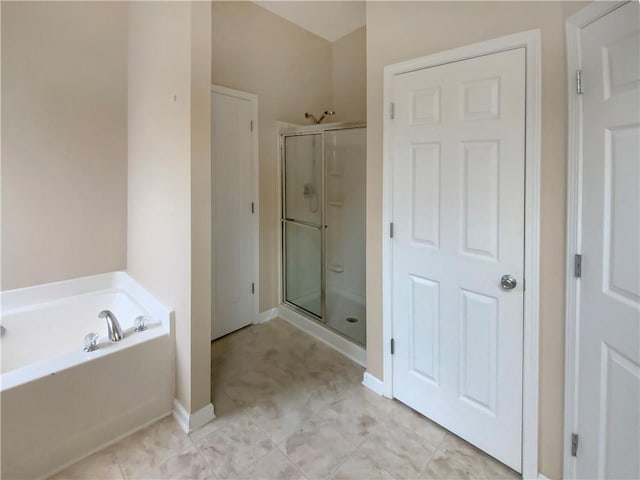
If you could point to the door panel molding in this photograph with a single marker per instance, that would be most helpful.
(573, 27)
(530, 41)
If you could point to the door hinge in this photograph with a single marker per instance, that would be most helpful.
(392, 111)
(252, 125)
(577, 265)
(393, 346)
(253, 207)
(391, 230)
(253, 288)
(579, 81)
(574, 444)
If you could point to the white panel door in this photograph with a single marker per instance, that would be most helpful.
(458, 213)
(609, 310)
(234, 231)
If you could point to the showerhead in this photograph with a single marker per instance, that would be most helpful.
(319, 120)
(308, 115)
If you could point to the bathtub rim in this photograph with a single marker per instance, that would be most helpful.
(13, 301)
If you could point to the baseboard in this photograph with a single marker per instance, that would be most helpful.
(335, 341)
(542, 477)
(373, 384)
(190, 422)
(267, 315)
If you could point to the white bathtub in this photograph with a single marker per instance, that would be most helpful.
(60, 403)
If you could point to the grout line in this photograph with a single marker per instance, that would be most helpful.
(344, 460)
(292, 462)
(423, 469)
(124, 476)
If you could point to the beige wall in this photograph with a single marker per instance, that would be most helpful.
(167, 133)
(201, 281)
(64, 140)
(398, 31)
(349, 77)
(290, 71)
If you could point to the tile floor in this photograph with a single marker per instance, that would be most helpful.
(289, 407)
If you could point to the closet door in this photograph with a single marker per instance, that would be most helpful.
(234, 226)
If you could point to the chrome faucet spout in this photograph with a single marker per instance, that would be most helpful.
(113, 326)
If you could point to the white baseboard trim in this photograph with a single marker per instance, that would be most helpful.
(267, 315)
(373, 384)
(542, 477)
(335, 341)
(190, 422)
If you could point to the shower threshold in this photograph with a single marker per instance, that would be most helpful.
(313, 325)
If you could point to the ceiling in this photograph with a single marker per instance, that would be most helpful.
(327, 19)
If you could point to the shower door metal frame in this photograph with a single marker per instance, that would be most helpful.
(297, 132)
(284, 220)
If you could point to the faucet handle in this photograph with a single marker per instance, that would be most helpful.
(91, 342)
(140, 323)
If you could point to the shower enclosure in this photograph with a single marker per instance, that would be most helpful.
(323, 225)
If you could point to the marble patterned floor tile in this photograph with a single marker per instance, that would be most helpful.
(400, 415)
(152, 446)
(361, 467)
(99, 466)
(228, 414)
(246, 387)
(442, 466)
(273, 466)
(189, 465)
(224, 405)
(497, 470)
(282, 414)
(317, 448)
(474, 460)
(401, 452)
(233, 448)
(355, 419)
(462, 453)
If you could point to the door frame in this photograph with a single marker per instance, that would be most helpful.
(255, 170)
(530, 40)
(573, 26)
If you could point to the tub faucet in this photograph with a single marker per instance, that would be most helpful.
(113, 327)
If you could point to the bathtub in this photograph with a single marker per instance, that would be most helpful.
(59, 403)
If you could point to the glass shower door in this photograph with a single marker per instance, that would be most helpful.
(345, 157)
(303, 222)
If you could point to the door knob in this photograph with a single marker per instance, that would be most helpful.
(508, 282)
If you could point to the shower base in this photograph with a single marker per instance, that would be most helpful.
(341, 310)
